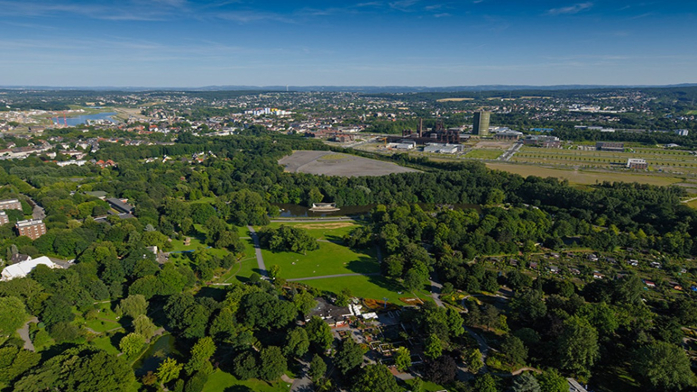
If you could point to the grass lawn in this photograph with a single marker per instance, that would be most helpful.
(374, 287)
(220, 381)
(692, 204)
(484, 154)
(104, 343)
(208, 200)
(427, 385)
(178, 245)
(243, 269)
(101, 325)
(331, 231)
(329, 259)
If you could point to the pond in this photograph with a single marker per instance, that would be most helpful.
(155, 354)
(298, 211)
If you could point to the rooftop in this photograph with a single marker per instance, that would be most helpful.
(28, 223)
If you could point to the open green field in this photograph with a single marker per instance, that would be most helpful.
(220, 381)
(374, 287)
(332, 257)
(583, 177)
(481, 153)
(658, 158)
(329, 259)
(692, 112)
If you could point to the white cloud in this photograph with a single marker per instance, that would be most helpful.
(570, 10)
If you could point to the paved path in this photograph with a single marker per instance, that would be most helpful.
(435, 293)
(303, 382)
(331, 276)
(24, 334)
(257, 250)
(511, 151)
(316, 219)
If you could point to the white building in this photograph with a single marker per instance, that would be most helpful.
(682, 132)
(22, 269)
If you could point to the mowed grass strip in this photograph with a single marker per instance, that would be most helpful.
(329, 259)
(221, 381)
(374, 287)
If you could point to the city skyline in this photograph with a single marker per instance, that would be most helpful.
(180, 43)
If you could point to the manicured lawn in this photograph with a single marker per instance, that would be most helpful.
(104, 343)
(220, 381)
(178, 245)
(331, 231)
(101, 325)
(243, 269)
(374, 287)
(209, 200)
(329, 259)
(484, 154)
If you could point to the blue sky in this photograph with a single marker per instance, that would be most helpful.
(186, 43)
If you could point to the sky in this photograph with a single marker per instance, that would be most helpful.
(188, 43)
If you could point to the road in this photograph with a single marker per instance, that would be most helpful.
(332, 276)
(24, 334)
(511, 151)
(257, 250)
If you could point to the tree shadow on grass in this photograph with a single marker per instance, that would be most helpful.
(238, 388)
(364, 265)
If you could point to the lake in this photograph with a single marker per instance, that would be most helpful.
(73, 121)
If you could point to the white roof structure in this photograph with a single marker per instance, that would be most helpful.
(22, 269)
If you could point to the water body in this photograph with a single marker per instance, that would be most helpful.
(73, 121)
(298, 211)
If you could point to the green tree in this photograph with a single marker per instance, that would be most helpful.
(274, 270)
(273, 363)
(414, 280)
(402, 358)
(168, 370)
(577, 346)
(526, 382)
(514, 349)
(376, 378)
(455, 322)
(349, 356)
(304, 302)
(131, 344)
(200, 354)
(320, 333)
(144, 326)
(318, 368)
(132, 306)
(552, 381)
(485, 383)
(474, 361)
(13, 314)
(297, 342)
(79, 369)
(663, 367)
(433, 347)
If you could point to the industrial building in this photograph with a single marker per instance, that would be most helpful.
(508, 134)
(423, 136)
(439, 148)
(481, 123)
(639, 164)
(11, 204)
(610, 146)
(32, 228)
(542, 141)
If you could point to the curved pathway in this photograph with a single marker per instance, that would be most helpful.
(24, 334)
(257, 250)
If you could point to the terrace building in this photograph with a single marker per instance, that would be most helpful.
(31, 228)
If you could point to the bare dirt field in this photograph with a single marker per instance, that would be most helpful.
(333, 164)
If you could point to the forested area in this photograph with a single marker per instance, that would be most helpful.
(249, 329)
